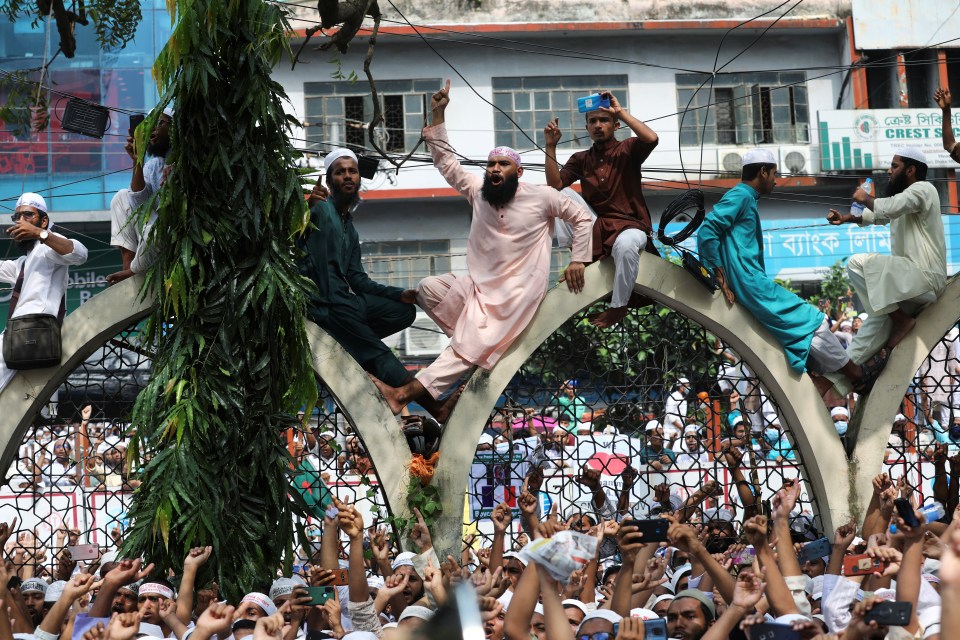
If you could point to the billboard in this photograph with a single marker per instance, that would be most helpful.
(905, 24)
(866, 139)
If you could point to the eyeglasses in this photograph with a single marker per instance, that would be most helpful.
(601, 635)
(23, 214)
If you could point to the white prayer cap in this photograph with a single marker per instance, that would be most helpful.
(610, 430)
(52, 594)
(34, 585)
(538, 608)
(416, 612)
(683, 381)
(375, 582)
(913, 153)
(405, 559)
(846, 323)
(149, 630)
(652, 425)
(839, 411)
(899, 418)
(168, 111)
(600, 614)
(261, 600)
(155, 588)
(335, 155)
(691, 429)
(281, 587)
(885, 594)
(759, 156)
(517, 556)
(30, 199)
(659, 599)
(576, 604)
(643, 614)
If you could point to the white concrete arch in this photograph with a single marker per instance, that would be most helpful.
(883, 403)
(801, 407)
(101, 318)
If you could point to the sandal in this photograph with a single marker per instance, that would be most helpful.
(870, 371)
(422, 434)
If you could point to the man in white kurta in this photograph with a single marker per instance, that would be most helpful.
(43, 269)
(894, 288)
(508, 265)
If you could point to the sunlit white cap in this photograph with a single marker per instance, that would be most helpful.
(30, 199)
(759, 156)
(335, 155)
(913, 153)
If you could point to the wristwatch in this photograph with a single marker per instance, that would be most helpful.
(44, 235)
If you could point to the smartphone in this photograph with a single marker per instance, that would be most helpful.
(890, 614)
(341, 578)
(84, 552)
(319, 595)
(654, 629)
(813, 550)
(862, 565)
(773, 631)
(747, 556)
(654, 530)
(905, 509)
(135, 120)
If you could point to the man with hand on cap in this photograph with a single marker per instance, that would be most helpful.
(893, 288)
(39, 277)
(609, 175)
(730, 242)
(508, 265)
(356, 311)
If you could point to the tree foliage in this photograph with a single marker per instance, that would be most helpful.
(233, 362)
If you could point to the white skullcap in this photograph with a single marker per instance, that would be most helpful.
(846, 323)
(899, 418)
(652, 425)
(517, 556)
(335, 155)
(34, 585)
(600, 614)
(261, 600)
(576, 604)
(885, 594)
(169, 111)
(281, 587)
(52, 594)
(659, 599)
(839, 411)
(759, 156)
(913, 153)
(643, 614)
(150, 630)
(683, 381)
(404, 559)
(375, 582)
(538, 608)
(416, 612)
(771, 418)
(737, 420)
(30, 199)
(691, 428)
(610, 430)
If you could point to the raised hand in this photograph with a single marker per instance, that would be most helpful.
(501, 516)
(215, 620)
(785, 499)
(755, 531)
(552, 133)
(630, 628)
(124, 626)
(351, 522)
(420, 534)
(197, 557)
(269, 627)
(441, 98)
(748, 591)
(942, 97)
(590, 478)
(380, 546)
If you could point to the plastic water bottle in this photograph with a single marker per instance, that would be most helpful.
(932, 512)
(856, 209)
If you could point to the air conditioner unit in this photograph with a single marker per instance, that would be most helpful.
(424, 337)
(795, 160)
(730, 159)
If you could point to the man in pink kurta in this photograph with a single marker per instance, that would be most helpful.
(508, 264)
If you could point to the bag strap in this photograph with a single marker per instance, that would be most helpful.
(15, 297)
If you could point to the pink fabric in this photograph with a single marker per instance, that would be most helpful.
(443, 372)
(508, 259)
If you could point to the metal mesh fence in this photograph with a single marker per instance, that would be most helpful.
(656, 409)
(70, 484)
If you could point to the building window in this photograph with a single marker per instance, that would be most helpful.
(744, 108)
(405, 263)
(337, 114)
(532, 101)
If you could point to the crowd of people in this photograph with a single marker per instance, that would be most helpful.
(688, 572)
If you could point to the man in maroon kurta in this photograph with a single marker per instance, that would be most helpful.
(609, 175)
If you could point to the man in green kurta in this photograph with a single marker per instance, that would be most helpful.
(730, 242)
(347, 304)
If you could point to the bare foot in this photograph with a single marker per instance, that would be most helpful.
(902, 325)
(610, 317)
(442, 413)
(392, 395)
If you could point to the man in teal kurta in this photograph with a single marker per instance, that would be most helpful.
(730, 242)
(347, 304)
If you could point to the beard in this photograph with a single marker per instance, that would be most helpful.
(896, 185)
(342, 200)
(499, 194)
(160, 148)
(26, 246)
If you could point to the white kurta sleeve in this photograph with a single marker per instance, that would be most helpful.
(887, 209)
(9, 270)
(74, 258)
